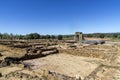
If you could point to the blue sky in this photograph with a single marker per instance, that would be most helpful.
(59, 16)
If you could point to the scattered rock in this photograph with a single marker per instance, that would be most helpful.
(0, 75)
(1, 54)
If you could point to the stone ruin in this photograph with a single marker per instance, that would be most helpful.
(31, 53)
(78, 36)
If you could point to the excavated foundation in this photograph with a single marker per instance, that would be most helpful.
(64, 64)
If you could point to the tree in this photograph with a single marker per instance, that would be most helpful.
(1, 35)
(101, 35)
(11, 36)
(6, 36)
(52, 37)
(89, 35)
(60, 37)
(42, 37)
(33, 36)
(36, 36)
(114, 36)
(16, 36)
(48, 36)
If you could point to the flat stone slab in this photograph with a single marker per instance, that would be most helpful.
(65, 64)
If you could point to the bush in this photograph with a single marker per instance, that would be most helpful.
(60, 37)
(102, 35)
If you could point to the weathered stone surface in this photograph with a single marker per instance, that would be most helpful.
(64, 65)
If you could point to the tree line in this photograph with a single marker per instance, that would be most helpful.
(103, 35)
(59, 37)
(29, 36)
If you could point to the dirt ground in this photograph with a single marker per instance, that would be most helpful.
(82, 62)
(66, 64)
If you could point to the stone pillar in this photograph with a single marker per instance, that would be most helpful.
(78, 36)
